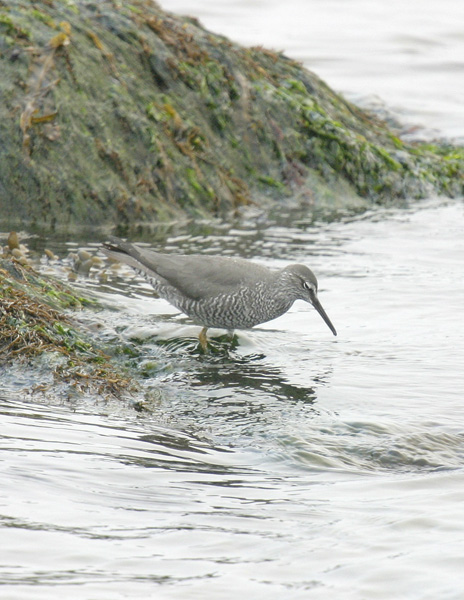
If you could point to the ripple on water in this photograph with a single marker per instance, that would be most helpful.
(371, 448)
(285, 463)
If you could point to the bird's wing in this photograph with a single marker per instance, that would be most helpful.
(195, 276)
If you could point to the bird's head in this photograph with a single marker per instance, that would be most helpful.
(303, 283)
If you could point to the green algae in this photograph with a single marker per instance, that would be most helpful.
(36, 325)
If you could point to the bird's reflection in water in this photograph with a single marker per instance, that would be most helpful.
(254, 378)
(226, 396)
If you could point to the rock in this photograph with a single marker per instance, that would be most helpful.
(127, 115)
(13, 242)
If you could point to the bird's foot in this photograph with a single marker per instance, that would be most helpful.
(203, 339)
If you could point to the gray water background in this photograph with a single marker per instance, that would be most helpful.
(290, 465)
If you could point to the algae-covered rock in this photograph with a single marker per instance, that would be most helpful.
(118, 113)
(39, 336)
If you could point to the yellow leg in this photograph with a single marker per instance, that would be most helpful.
(203, 339)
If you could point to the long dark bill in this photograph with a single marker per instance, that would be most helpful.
(318, 306)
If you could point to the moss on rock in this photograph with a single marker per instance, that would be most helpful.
(35, 322)
(118, 113)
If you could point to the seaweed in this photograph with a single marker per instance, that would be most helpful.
(33, 323)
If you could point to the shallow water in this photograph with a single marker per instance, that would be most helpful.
(289, 464)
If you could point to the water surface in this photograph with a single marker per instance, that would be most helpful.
(289, 464)
(406, 57)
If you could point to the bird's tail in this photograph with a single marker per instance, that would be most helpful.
(125, 252)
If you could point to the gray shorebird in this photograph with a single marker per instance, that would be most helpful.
(218, 291)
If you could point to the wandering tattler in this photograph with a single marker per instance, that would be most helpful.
(218, 291)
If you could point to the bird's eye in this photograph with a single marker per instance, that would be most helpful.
(309, 287)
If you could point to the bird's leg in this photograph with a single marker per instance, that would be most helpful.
(203, 339)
